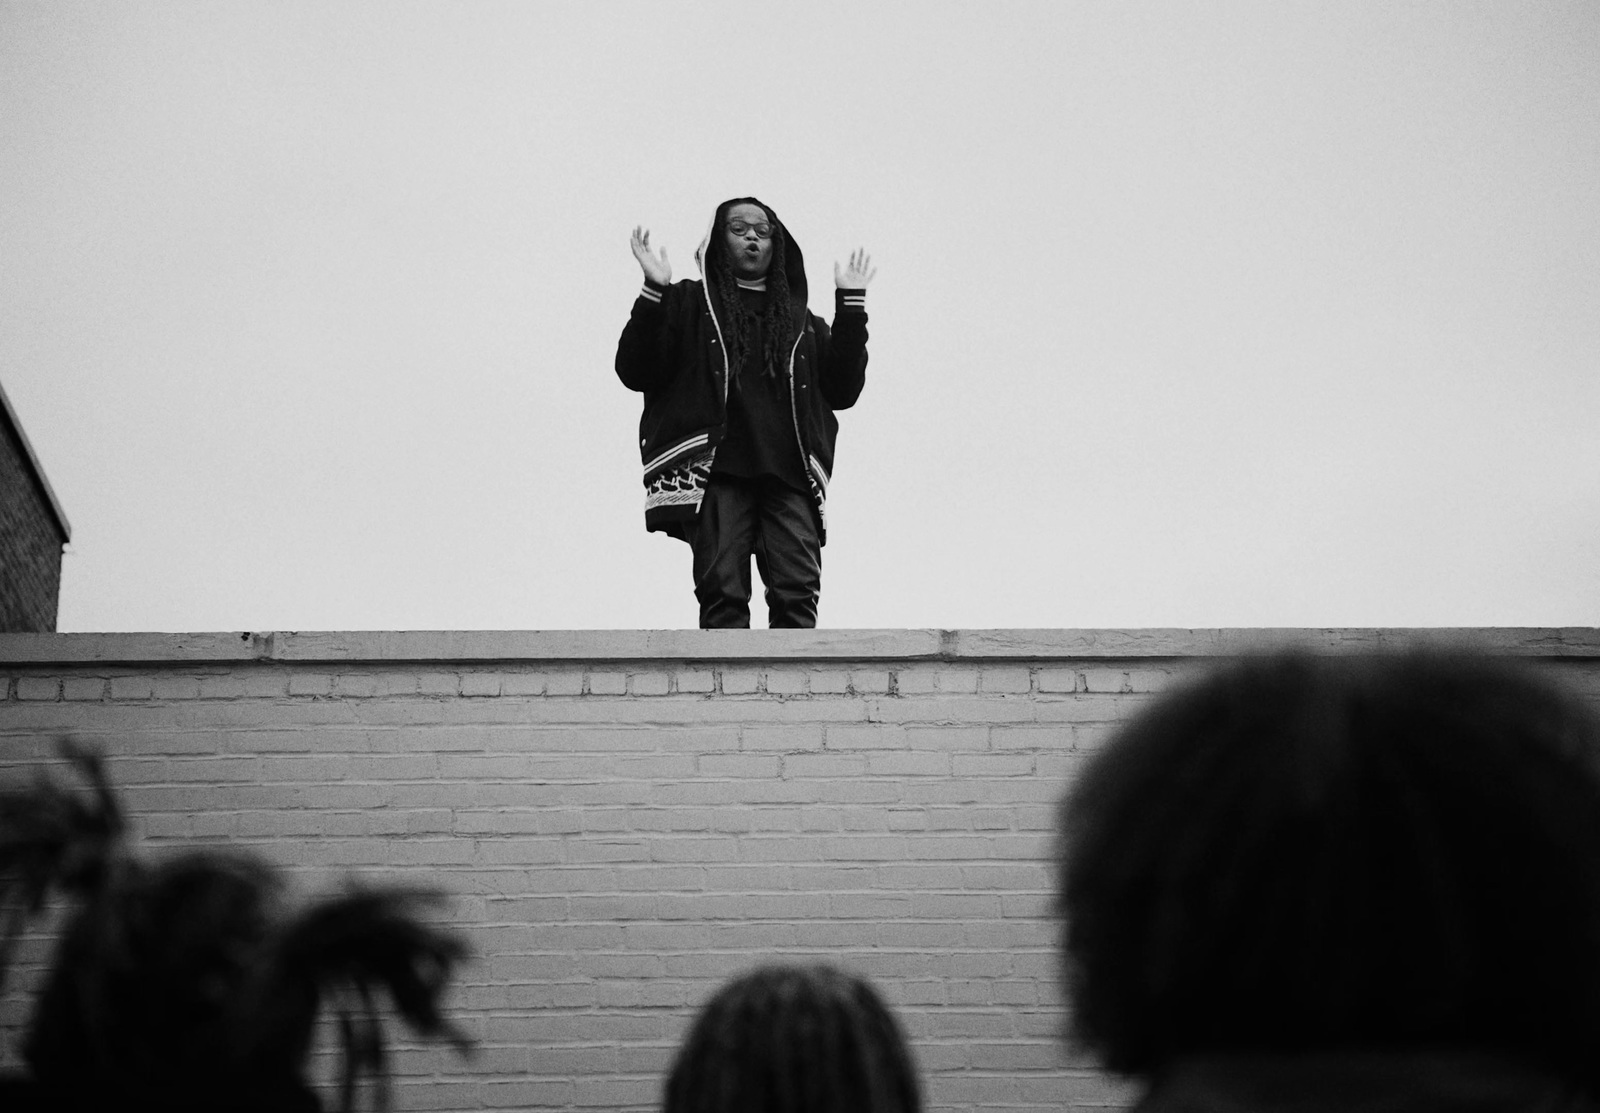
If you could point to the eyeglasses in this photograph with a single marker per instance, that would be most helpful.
(739, 228)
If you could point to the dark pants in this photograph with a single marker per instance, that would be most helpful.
(771, 521)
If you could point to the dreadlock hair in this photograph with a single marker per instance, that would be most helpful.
(794, 1039)
(1296, 854)
(188, 985)
(50, 838)
(777, 319)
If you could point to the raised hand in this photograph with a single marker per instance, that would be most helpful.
(657, 270)
(857, 274)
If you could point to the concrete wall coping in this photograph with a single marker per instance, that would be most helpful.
(489, 646)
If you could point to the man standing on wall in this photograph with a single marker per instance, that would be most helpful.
(740, 382)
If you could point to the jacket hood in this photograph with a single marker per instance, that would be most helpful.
(794, 267)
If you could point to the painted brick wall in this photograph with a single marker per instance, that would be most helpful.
(627, 819)
(30, 541)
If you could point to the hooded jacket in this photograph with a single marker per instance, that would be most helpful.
(673, 350)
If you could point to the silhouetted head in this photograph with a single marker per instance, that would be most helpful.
(152, 986)
(1302, 854)
(794, 1039)
(192, 983)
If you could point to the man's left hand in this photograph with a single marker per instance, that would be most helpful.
(857, 274)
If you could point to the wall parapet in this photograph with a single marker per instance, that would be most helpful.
(490, 646)
(625, 818)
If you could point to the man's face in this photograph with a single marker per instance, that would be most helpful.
(750, 246)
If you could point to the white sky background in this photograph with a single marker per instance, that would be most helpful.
(1187, 314)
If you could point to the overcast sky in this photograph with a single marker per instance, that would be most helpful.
(1187, 314)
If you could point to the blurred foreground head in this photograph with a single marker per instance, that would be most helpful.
(190, 984)
(794, 1039)
(1300, 855)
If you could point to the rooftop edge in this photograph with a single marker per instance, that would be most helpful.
(464, 646)
(54, 503)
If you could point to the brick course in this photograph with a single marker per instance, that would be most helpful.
(627, 819)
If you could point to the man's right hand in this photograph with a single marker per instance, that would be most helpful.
(656, 269)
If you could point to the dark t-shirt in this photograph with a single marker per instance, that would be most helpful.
(761, 440)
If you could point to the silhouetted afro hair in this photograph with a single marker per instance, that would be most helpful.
(1300, 853)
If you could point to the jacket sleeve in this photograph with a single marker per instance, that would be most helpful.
(644, 354)
(842, 351)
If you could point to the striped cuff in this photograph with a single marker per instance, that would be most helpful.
(651, 292)
(853, 300)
